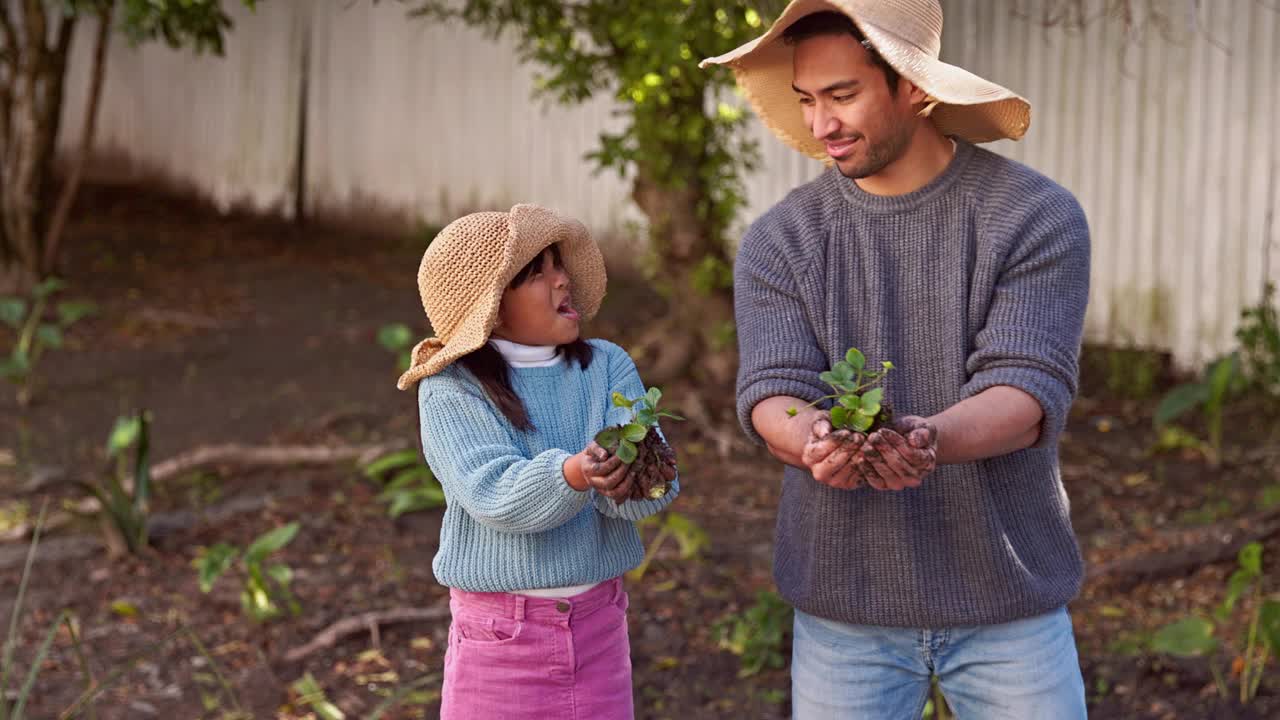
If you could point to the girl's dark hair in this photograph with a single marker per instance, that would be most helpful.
(492, 370)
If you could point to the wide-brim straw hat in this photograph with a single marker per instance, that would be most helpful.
(908, 35)
(471, 262)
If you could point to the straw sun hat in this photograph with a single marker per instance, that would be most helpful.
(470, 263)
(908, 35)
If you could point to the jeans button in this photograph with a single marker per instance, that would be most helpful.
(562, 606)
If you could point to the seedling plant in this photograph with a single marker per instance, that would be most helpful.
(859, 402)
(638, 441)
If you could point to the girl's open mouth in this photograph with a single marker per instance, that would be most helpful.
(566, 310)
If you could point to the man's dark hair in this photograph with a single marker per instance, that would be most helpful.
(830, 22)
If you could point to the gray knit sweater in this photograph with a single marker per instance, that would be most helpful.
(978, 279)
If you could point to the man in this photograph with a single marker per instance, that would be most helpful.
(941, 546)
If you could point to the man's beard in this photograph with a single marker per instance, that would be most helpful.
(881, 154)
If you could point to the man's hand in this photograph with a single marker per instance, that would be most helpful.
(900, 457)
(834, 458)
(600, 470)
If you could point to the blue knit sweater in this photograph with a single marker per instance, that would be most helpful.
(512, 522)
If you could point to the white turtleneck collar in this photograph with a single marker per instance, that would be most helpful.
(525, 356)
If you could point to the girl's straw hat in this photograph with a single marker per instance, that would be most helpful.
(468, 265)
(908, 35)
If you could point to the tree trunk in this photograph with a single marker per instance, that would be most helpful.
(34, 71)
(58, 222)
(683, 240)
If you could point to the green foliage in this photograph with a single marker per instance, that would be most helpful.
(36, 331)
(1132, 372)
(1195, 636)
(858, 402)
(1259, 337)
(408, 484)
(1222, 380)
(397, 338)
(266, 587)
(125, 489)
(199, 24)
(678, 131)
(758, 634)
(311, 695)
(623, 440)
(691, 538)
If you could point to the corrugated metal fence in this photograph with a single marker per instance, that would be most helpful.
(1169, 144)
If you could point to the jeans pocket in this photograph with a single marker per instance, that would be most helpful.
(486, 631)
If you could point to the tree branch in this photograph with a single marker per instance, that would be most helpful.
(366, 621)
(71, 185)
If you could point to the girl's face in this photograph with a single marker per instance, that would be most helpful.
(536, 307)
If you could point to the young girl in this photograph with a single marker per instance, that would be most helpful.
(537, 532)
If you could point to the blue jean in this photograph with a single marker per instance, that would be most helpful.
(1022, 670)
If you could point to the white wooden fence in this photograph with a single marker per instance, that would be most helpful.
(1170, 145)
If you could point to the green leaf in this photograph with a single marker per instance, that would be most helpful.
(855, 358)
(844, 372)
(627, 451)
(871, 399)
(1250, 558)
(861, 422)
(281, 573)
(73, 311)
(1236, 586)
(48, 287)
(213, 562)
(1179, 401)
(1188, 637)
(653, 397)
(829, 378)
(620, 400)
(609, 437)
(395, 337)
(13, 311)
(690, 536)
(124, 434)
(124, 608)
(792, 412)
(386, 463)
(50, 336)
(635, 432)
(270, 542)
(673, 416)
(839, 416)
(646, 417)
(1269, 625)
(887, 365)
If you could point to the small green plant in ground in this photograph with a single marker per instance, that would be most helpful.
(1196, 635)
(1133, 372)
(265, 594)
(638, 440)
(859, 403)
(312, 696)
(397, 338)
(37, 333)
(408, 484)
(125, 490)
(758, 634)
(690, 536)
(1259, 337)
(1222, 380)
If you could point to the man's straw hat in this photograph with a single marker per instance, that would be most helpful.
(908, 35)
(472, 261)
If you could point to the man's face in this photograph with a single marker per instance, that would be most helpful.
(847, 104)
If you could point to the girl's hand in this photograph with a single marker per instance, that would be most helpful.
(599, 470)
